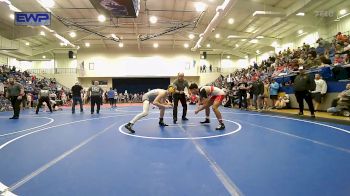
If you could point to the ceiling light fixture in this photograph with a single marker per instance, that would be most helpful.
(101, 18)
(260, 37)
(254, 41)
(155, 45)
(300, 14)
(243, 40)
(153, 19)
(87, 44)
(121, 44)
(27, 43)
(300, 31)
(342, 12)
(12, 16)
(228, 57)
(72, 34)
(231, 21)
(42, 33)
(217, 36)
(208, 45)
(301, 34)
(233, 36)
(191, 36)
(200, 6)
(44, 57)
(274, 44)
(186, 45)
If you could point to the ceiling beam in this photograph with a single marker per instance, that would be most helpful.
(291, 11)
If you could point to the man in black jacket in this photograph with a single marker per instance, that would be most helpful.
(257, 91)
(303, 85)
(242, 93)
(76, 97)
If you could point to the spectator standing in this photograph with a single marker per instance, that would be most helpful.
(266, 94)
(64, 98)
(274, 87)
(257, 93)
(115, 97)
(2, 88)
(110, 95)
(211, 68)
(320, 91)
(303, 85)
(242, 93)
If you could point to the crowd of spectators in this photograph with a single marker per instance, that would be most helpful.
(31, 85)
(241, 85)
(113, 97)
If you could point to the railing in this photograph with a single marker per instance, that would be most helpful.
(40, 73)
(214, 70)
(55, 71)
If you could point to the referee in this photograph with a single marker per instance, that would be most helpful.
(15, 91)
(180, 84)
(95, 93)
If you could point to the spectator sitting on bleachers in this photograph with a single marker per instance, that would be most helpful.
(282, 102)
(2, 88)
(341, 102)
(341, 37)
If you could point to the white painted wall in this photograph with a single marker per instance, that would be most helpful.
(3, 59)
(87, 82)
(342, 26)
(62, 60)
(116, 63)
(43, 64)
(208, 78)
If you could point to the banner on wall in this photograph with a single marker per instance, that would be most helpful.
(118, 8)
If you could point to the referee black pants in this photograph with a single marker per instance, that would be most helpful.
(182, 98)
(16, 105)
(95, 100)
(301, 95)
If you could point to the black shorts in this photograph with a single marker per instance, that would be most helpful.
(274, 97)
(317, 97)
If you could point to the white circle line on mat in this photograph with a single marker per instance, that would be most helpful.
(181, 138)
(24, 130)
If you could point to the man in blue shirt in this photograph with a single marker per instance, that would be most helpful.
(110, 95)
